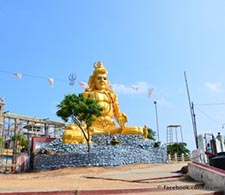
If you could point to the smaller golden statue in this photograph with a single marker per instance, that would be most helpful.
(145, 132)
(115, 141)
(99, 89)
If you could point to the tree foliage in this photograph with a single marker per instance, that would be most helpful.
(151, 134)
(81, 110)
(20, 140)
(178, 148)
(1, 142)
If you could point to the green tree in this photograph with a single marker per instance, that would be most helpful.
(151, 134)
(24, 143)
(178, 148)
(1, 142)
(20, 140)
(81, 110)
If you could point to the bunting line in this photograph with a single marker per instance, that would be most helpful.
(20, 75)
(83, 85)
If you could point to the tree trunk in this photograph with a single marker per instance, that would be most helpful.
(88, 140)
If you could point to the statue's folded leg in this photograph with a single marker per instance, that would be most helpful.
(132, 130)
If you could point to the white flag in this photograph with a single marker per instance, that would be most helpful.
(83, 85)
(51, 81)
(150, 92)
(135, 88)
(18, 75)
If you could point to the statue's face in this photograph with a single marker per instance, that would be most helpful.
(101, 81)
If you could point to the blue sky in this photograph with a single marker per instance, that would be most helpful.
(146, 43)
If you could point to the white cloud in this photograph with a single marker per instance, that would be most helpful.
(163, 102)
(137, 88)
(140, 88)
(213, 87)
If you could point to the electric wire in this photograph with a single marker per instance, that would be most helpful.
(211, 104)
(207, 116)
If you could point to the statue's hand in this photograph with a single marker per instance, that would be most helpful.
(122, 119)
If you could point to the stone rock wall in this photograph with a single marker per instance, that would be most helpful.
(133, 149)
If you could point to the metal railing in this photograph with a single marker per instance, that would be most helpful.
(178, 158)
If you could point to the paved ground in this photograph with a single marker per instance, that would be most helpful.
(131, 179)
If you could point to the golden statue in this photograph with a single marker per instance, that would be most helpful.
(72, 135)
(145, 132)
(99, 89)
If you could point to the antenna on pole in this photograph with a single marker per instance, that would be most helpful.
(191, 105)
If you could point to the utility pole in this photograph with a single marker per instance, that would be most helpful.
(193, 118)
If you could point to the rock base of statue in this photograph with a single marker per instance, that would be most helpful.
(132, 149)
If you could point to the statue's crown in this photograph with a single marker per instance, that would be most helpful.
(99, 65)
(99, 68)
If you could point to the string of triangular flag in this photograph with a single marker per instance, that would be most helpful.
(20, 75)
(72, 78)
(137, 88)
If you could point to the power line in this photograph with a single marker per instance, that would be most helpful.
(207, 116)
(211, 104)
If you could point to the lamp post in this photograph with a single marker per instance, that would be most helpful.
(157, 121)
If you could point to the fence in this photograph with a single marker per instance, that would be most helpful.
(178, 158)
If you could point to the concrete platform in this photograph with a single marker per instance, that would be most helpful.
(131, 179)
